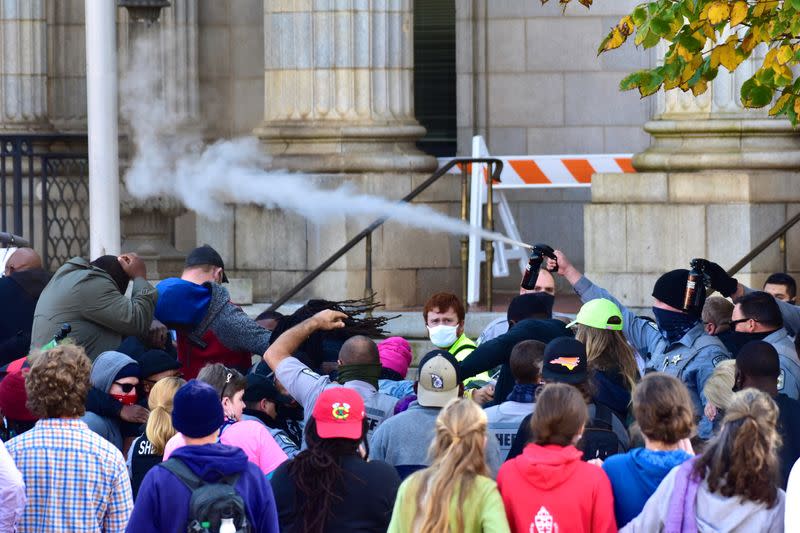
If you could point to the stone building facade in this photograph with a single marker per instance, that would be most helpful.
(328, 87)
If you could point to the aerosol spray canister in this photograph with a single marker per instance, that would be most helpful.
(539, 252)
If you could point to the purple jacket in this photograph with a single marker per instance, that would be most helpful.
(162, 504)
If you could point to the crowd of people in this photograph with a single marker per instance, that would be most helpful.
(129, 407)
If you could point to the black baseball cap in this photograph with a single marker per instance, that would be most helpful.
(154, 362)
(206, 255)
(565, 361)
(260, 388)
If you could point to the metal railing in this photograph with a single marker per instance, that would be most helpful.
(44, 193)
(495, 168)
(778, 235)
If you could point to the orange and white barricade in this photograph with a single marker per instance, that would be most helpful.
(524, 172)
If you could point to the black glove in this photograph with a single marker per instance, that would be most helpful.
(720, 280)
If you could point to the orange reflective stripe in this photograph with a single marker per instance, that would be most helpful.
(528, 171)
(580, 169)
(626, 165)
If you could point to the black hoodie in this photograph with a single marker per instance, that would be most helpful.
(19, 293)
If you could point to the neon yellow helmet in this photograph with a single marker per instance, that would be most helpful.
(599, 314)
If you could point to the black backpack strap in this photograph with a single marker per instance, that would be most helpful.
(603, 413)
(182, 472)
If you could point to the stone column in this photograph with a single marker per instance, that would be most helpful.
(716, 180)
(148, 226)
(23, 66)
(66, 86)
(338, 86)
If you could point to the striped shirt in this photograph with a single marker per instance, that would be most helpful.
(76, 481)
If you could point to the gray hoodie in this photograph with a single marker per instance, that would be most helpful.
(715, 513)
(106, 367)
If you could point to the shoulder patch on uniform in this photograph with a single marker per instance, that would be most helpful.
(718, 359)
(781, 379)
(309, 372)
(286, 440)
(653, 325)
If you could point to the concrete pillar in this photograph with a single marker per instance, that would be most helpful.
(66, 84)
(716, 180)
(148, 226)
(23, 65)
(101, 85)
(338, 86)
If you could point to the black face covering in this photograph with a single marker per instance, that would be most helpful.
(110, 264)
(736, 339)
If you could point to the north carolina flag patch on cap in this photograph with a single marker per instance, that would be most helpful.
(570, 363)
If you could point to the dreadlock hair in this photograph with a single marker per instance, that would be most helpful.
(317, 473)
(369, 326)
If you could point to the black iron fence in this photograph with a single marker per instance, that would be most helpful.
(44, 193)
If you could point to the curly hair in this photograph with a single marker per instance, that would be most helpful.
(663, 408)
(58, 383)
(743, 460)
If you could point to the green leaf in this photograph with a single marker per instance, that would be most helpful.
(755, 94)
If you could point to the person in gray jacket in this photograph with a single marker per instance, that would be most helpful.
(676, 345)
(117, 375)
(758, 317)
(403, 440)
(90, 297)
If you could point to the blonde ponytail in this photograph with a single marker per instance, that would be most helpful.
(159, 424)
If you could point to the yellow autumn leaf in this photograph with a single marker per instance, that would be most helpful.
(718, 12)
(729, 58)
(683, 52)
(613, 40)
(738, 12)
(700, 87)
(785, 54)
(626, 26)
(797, 106)
(763, 7)
(780, 104)
(770, 58)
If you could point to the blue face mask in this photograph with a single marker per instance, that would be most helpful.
(673, 325)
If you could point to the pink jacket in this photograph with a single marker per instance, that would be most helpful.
(252, 437)
(12, 492)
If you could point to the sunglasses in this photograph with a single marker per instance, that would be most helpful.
(126, 387)
(733, 323)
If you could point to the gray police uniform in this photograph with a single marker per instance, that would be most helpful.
(691, 359)
(789, 380)
(790, 313)
(305, 386)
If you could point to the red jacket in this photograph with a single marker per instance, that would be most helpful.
(548, 489)
(194, 356)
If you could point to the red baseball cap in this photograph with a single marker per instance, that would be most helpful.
(13, 398)
(339, 414)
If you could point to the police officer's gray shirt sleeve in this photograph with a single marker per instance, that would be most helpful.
(302, 383)
(790, 313)
(638, 331)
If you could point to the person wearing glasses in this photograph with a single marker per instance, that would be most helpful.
(117, 375)
(757, 317)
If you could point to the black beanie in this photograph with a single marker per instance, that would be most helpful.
(110, 264)
(671, 288)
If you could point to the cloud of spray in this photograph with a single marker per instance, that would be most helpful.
(171, 162)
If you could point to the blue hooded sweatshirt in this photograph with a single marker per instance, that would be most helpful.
(162, 504)
(636, 475)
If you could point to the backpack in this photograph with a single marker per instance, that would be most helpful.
(599, 440)
(210, 502)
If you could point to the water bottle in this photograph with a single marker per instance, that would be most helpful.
(534, 264)
(227, 526)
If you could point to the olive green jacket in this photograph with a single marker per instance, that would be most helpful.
(86, 298)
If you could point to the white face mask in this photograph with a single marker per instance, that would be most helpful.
(443, 336)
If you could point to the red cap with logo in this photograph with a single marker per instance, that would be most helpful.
(339, 414)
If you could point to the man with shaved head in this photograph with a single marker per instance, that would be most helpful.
(22, 282)
(359, 368)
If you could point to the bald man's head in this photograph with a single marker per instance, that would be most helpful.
(23, 259)
(359, 350)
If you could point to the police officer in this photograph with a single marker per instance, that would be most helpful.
(677, 344)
